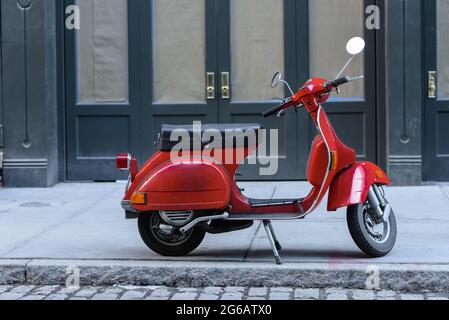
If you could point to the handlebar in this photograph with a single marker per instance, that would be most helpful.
(273, 111)
(328, 86)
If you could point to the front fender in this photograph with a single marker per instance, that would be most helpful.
(351, 185)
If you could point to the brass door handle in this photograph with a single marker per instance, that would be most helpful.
(432, 84)
(225, 86)
(210, 86)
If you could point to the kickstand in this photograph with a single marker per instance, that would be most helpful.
(275, 245)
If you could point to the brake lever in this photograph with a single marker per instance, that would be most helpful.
(280, 113)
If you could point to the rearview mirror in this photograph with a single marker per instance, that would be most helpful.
(276, 79)
(355, 46)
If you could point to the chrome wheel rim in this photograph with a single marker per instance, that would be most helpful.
(378, 231)
(160, 231)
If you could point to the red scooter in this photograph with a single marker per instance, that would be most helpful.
(177, 200)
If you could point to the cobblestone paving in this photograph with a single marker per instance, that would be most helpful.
(29, 292)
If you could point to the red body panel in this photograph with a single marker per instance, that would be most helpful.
(351, 186)
(186, 184)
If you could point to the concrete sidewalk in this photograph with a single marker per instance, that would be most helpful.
(83, 224)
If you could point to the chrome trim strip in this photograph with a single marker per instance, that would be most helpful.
(203, 219)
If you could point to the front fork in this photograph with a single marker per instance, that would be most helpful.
(378, 203)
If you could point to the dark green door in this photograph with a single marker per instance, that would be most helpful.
(103, 94)
(436, 106)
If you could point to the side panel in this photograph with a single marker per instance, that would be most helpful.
(351, 186)
(186, 184)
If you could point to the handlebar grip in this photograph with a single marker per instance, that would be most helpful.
(273, 111)
(339, 82)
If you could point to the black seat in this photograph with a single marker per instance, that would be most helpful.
(231, 135)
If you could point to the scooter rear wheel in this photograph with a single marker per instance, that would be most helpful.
(167, 243)
(375, 238)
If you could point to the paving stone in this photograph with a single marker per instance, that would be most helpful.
(68, 290)
(409, 296)
(437, 298)
(22, 289)
(337, 294)
(86, 292)
(157, 298)
(208, 297)
(11, 296)
(133, 295)
(105, 296)
(188, 289)
(184, 296)
(213, 290)
(280, 296)
(307, 294)
(57, 296)
(362, 295)
(161, 292)
(33, 297)
(232, 296)
(386, 298)
(4, 288)
(386, 293)
(258, 292)
(78, 298)
(286, 290)
(45, 290)
(255, 298)
(234, 289)
(113, 290)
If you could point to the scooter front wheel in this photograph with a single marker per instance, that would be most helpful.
(375, 238)
(164, 239)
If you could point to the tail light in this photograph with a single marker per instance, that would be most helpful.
(124, 161)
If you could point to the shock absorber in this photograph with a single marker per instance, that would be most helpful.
(378, 203)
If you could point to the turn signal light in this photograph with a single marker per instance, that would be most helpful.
(139, 198)
(334, 160)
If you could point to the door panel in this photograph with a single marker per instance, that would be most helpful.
(353, 112)
(101, 95)
(256, 40)
(179, 46)
(436, 107)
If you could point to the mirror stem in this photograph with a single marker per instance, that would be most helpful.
(288, 86)
(344, 68)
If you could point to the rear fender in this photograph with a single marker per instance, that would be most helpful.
(351, 185)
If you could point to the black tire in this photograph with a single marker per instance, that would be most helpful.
(363, 239)
(184, 246)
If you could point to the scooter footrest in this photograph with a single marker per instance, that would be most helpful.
(272, 202)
